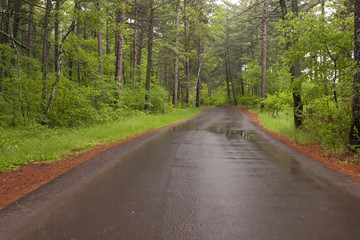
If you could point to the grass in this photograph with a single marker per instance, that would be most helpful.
(284, 125)
(39, 144)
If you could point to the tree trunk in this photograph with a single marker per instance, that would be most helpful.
(99, 38)
(57, 59)
(119, 45)
(70, 59)
(296, 73)
(232, 82)
(44, 60)
(30, 32)
(56, 44)
(229, 72)
(17, 16)
(139, 54)
(227, 77)
(176, 57)
(263, 57)
(241, 79)
(149, 57)
(187, 61)
(283, 8)
(295, 70)
(198, 80)
(107, 37)
(354, 138)
(5, 21)
(5, 25)
(134, 52)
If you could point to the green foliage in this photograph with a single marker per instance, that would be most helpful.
(277, 102)
(133, 98)
(328, 124)
(253, 75)
(7, 54)
(158, 100)
(217, 98)
(248, 101)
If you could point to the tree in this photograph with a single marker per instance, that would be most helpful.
(176, 56)
(263, 56)
(119, 44)
(99, 38)
(295, 70)
(354, 139)
(150, 52)
(44, 62)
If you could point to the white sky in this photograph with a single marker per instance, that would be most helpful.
(232, 1)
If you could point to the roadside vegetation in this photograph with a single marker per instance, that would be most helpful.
(333, 141)
(19, 146)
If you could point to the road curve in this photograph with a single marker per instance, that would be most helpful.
(214, 177)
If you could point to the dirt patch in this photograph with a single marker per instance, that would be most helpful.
(334, 162)
(15, 184)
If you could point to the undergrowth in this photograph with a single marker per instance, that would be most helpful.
(283, 123)
(39, 144)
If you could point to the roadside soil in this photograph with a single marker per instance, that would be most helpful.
(335, 162)
(15, 184)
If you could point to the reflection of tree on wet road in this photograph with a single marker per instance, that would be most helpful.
(214, 177)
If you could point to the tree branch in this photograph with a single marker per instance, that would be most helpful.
(13, 39)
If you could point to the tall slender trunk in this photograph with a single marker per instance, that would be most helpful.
(176, 57)
(119, 45)
(30, 32)
(354, 137)
(187, 60)
(56, 36)
(134, 53)
(5, 21)
(232, 82)
(283, 8)
(57, 59)
(198, 80)
(296, 73)
(73, 24)
(99, 38)
(263, 56)
(241, 79)
(149, 57)
(139, 54)
(227, 76)
(107, 37)
(44, 60)
(17, 17)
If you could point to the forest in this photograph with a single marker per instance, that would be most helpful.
(74, 63)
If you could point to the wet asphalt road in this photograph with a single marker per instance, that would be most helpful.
(214, 177)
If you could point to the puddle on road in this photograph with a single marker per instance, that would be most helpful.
(227, 131)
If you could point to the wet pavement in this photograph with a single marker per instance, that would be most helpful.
(214, 177)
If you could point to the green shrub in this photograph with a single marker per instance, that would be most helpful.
(277, 102)
(248, 101)
(328, 123)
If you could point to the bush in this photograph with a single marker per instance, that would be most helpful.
(277, 102)
(158, 100)
(248, 101)
(329, 124)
